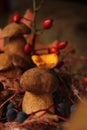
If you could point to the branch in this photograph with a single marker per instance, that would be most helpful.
(14, 95)
(40, 5)
(34, 23)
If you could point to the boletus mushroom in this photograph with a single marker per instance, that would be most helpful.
(39, 84)
(14, 32)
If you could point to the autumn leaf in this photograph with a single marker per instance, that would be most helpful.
(28, 18)
(47, 61)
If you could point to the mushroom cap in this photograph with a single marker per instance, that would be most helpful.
(16, 46)
(39, 81)
(14, 29)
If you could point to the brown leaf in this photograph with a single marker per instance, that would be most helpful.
(28, 15)
(47, 61)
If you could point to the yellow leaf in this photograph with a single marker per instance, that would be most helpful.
(47, 61)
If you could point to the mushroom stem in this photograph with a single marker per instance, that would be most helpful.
(37, 102)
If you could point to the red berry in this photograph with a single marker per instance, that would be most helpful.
(62, 44)
(53, 50)
(27, 48)
(85, 79)
(16, 17)
(47, 23)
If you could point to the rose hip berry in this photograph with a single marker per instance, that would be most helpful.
(85, 79)
(62, 44)
(16, 17)
(27, 48)
(47, 23)
(53, 50)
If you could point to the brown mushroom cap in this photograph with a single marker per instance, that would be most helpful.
(14, 29)
(16, 46)
(16, 43)
(39, 81)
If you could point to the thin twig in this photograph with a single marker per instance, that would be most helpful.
(40, 5)
(34, 23)
(8, 99)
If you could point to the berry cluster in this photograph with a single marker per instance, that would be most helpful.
(60, 45)
(13, 114)
(47, 24)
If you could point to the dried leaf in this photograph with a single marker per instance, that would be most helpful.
(47, 61)
(28, 15)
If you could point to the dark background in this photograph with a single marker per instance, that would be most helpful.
(70, 19)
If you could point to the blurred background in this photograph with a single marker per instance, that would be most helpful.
(70, 19)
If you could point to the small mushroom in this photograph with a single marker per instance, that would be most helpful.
(39, 81)
(14, 32)
(15, 47)
(39, 84)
